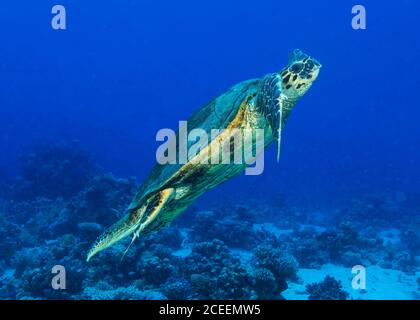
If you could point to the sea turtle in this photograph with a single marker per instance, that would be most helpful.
(263, 103)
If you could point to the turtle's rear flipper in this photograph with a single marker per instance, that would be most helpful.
(135, 221)
(163, 197)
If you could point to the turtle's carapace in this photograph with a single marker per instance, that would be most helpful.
(264, 103)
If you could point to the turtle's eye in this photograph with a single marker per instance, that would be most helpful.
(297, 67)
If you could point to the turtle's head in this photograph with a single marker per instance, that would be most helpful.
(279, 92)
(299, 74)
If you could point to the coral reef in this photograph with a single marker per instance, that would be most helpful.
(280, 263)
(266, 286)
(214, 273)
(63, 201)
(53, 171)
(120, 293)
(234, 228)
(5, 181)
(328, 289)
(345, 246)
(103, 200)
(177, 289)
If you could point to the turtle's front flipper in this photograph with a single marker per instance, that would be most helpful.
(135, 221)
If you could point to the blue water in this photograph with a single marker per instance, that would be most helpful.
(122, 70)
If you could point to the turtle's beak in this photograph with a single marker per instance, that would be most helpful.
(311, 70)
(316, 70)
(317, 64)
